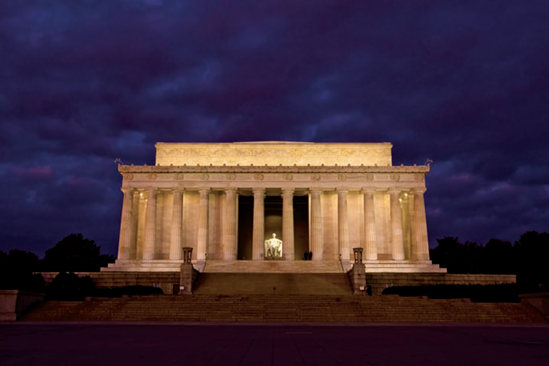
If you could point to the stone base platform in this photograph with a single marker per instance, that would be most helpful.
(378, 281)
(274, 266)
(164, 265)
(389, 266)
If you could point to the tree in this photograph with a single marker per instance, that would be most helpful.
(16, 271)
(532, 256)
(69, 287)
(455, 256)
(498, 258)
(74, 253)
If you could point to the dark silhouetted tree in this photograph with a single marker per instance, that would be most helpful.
(68, 286)
(532, 257)
(16, 271)
(455, 256)
(498, 258)
(74, 253)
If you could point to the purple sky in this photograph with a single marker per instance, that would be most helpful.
(464, 83)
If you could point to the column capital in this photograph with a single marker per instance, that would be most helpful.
(287, 192)
(204, 190)
(420, 190)
(342, 190)
(151, 189)
(368, 190)
(127, 190)
(394, 191)
(315, 190)
(259, 192)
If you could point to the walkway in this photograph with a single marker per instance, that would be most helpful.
(283, 344)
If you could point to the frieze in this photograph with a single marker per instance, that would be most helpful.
(231, 176)
(152, 176)
(259, 176)
(179, 176)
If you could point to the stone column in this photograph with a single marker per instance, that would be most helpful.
(177, 215)
(316, 224)
(343, 224)
(420, 224)
(229, 234)
(288, 224)
(370, 225)
(135, 223)
(126, 236)
(258, 251)
(202, 242)
(150, 225)
(396, 226)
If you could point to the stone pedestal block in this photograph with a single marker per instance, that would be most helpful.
(187, 279)
(357, 277)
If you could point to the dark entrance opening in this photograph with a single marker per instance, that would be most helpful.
(301, 226)
(245, 227)
(273, 224)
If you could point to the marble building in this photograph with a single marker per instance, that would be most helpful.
(226, 200)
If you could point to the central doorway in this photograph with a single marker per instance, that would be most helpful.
(273, 224)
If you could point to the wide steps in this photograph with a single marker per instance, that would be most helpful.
(283, 308)
(273, 283)
(273, 266)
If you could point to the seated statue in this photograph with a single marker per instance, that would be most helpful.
(273, 247)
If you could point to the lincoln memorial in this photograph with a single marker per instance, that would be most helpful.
(253, 204)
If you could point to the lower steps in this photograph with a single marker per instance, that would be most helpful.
(282, 308)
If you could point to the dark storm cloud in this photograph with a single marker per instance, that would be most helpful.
(464, 83)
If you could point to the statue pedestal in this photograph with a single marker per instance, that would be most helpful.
(275, 258)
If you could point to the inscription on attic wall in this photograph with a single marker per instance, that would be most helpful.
(272, 154)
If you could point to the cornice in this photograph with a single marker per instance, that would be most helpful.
(144, 169)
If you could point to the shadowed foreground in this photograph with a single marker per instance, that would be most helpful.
(154, 344)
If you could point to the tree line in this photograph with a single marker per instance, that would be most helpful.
(527, 258)
(74, 253)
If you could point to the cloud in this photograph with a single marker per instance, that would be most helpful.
(83, 83)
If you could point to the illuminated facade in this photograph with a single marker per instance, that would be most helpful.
(226, 199)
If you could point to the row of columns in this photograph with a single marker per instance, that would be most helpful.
(417, 217)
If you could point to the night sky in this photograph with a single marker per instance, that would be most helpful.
(463, 83)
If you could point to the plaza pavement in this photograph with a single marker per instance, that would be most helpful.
(136, 344)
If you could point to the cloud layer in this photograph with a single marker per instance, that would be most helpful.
(464, 83)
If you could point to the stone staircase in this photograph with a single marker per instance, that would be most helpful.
(272, 266)
(282, 308)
